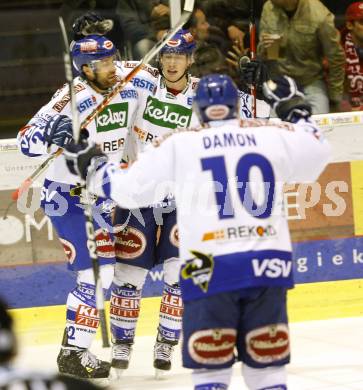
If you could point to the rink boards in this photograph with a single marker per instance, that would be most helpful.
(326, 220)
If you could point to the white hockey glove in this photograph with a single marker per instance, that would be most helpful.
(58, 131)
(286, 99)
(80, 157)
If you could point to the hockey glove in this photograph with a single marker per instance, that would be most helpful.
(79, 157)
(58, 131)
(286, 99)
(252, 72)
(91, 23)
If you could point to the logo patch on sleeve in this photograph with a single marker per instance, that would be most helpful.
(212, 346)
(269, 343)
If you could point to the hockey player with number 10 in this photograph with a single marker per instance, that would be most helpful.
(164, 107)
(227, 177)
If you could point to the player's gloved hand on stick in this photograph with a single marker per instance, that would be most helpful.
(79, 157)
(58, 131)
(286, 99)
(252, 72)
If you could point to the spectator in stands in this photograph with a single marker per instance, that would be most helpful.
(136, 18)
(20, 378)
(352, 41)
(230, 16)
(296, 36)
(198, 25)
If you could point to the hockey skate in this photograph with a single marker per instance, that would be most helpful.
(121, 353)
(80, 362)
(163, 350)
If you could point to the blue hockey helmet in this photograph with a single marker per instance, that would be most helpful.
(91, 48)
(181, 43)
(216, 98)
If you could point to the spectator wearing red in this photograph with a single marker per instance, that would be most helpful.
(352, 41)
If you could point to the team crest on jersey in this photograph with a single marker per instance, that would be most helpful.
(199, 269)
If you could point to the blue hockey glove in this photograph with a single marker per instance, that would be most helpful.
(286, 99)
(79, 157)
(58, 131)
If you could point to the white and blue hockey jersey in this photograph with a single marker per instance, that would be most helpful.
(161, 111)
(109, 129)
(228, 184)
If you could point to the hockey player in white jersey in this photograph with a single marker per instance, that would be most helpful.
(228, 179)
(94, 57)
(166, 96)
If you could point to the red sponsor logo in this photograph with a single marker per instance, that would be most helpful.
(269, 343)
(153, 71)
(172, 305)
(128, 64)
(129, 243)
(217, 112)
(87, 316)
(174, 42)
(66, 98)
(105, 245)
(212, 346)
(88, 46)
(174, 236)
(69, 249)
(195, 84)
(125, 307)
(108, 45)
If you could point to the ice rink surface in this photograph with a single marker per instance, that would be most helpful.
(326, 355)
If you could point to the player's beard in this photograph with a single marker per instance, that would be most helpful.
(103, 86)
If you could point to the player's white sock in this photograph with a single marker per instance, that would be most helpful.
(269, 378)
(205, 379)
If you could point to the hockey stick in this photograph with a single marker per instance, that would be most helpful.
(252, 30)
(188, 9)
(90, 231)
